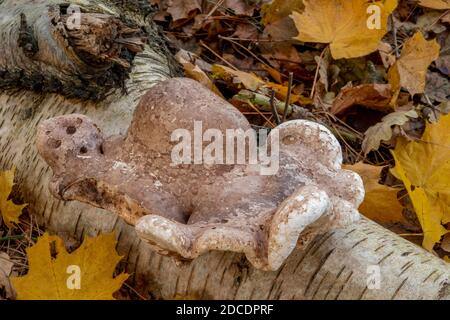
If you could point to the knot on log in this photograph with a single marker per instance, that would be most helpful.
(78, 51)
(187, 209)
(103, 39)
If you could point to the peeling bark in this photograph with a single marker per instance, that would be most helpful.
(333, 266)
(40, 50)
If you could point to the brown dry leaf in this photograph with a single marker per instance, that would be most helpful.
(6, 266)
(410, 70)
(437, 87)
(194, 72)
(85, 274)
(249, 80)
(446, 18)
(274, 73)
(9, 211)
(280, 30)
(344, 24)
(246, 31)
(183, 9)
(383, 131)
(435, 4)
(240, 7)
(380, 202)
(424, 168)
(443, 64)
(445, 244)
(373, 96)
(386, 55)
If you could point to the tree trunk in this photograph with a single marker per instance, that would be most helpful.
(336, 265)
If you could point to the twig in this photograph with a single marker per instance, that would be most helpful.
(217, 55)
(134, 291)
(316, 76)
(208, 16)
(261, 114)
(394, 33)
(262, 101)
(288, 98)
(18, 237)
(274, 109)
(246, 49)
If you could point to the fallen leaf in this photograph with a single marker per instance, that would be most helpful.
(445, 244)
(373, 96)
(446, 18)
(323, 63)
(424, 168)
(344, 24)
(380, 202)
(246, 31)
(435, 4)
(240, 7)
(382, 131)
(183, 9)
(194, 72)
(410, 70)
(279, 32)
(433, 113)
(91, 267)
(282, 93)
(6, 266)
(279, 9)
(386, 54)
(8, 210)
(443, 64)
(274, 73)
(248, 80)
(437, 87)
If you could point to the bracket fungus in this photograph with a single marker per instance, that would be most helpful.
(185, 210)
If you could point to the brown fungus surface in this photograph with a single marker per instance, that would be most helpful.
(186, 210)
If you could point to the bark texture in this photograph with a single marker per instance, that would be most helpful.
(333, 266)
(81, 49)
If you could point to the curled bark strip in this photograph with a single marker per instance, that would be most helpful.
(41, 50)
(189, 209)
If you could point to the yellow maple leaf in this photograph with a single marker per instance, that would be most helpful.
(9, 211)
(424, 168)
(85, 274)
(410, 70)
(380, 202)
(435, 4)
(248, 80)
(282, 93)
(346, 25)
